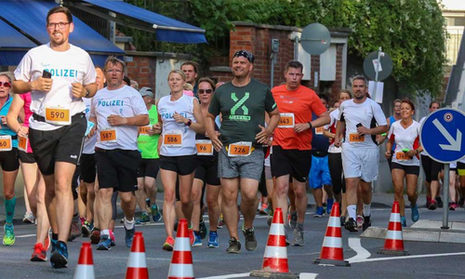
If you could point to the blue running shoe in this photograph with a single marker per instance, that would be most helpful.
(329, 205)
(319, 212)
(59, 258)
(403, 221)
(54, 244)
(213, 239)
(197, 240)
(415, 213)
(105, 243)
(156, 215)
(129, 236)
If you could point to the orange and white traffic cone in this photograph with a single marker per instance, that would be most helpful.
(331, 250)
(393, 243)
(85, 266)
(275, 262)
(181, 266)
(137, 266)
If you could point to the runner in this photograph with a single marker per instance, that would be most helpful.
(242, 104)
(292, 155)
(116, 111)
(58, 75)
(405, 134)
(360, 155)
(8, 159)
(181, 119)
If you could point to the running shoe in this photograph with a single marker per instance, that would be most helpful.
(75, 230)
(213, 239)
(95, 236)
(452, 206)
(144, 218)
(202, 229)
(415, 213)
(47, 242)
(329, 205)
(105, 243)
(366, 222)
(220, 222)
(298, 237)
(147, 202)
(351, 225)
(9, 236)
(403, 221)
(461, 201)
(234, 246)
(320, 211)
(250, 241)
(129, 236)
(359, 221)
(197, 240)
(433, 205)
(112, 238)
(169, 244)
(263, 209)
(54, 243)
(439, 201)
(156, 215)
(191, 236)
(293, 219)
(28, 218)
(86, 229)
(59, 258)
(39, 253)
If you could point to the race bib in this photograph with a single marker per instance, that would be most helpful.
(5, 143)
(144, 130)
(356, 138)
(204, 147)
(57, 116)
(286, 120)
(22, 143)
(319, 130)
(108, 135)
(242, 148)
(173, 139)
(402, 156)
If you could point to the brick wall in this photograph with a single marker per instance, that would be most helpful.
(142, 70)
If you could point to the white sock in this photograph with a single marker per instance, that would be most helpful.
(367, 210)
(129, 224)
(351, 210)
(105, 232)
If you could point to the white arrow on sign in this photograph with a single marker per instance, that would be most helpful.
(454, 144)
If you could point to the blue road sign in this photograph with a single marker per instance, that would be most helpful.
(441, 135)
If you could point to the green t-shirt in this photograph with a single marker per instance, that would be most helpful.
(148, 145)
(242, 110)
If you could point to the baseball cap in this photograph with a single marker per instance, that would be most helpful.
(146, 91)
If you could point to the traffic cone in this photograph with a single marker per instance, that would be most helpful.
(85, 266)
(331, 250)
(181, 266)
(393, 243)
(137, 266)
(275, 262)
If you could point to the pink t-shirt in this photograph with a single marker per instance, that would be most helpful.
(27, 113)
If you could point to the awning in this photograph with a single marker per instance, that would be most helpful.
(167, 29)
(30, 17)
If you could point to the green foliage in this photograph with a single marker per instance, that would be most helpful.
(410, 31)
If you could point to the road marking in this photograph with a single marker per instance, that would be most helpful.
(308, 275)
(25, 235)
(361, 253)
(408, 257)
(227, 276)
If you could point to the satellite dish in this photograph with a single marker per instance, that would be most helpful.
(370, 64)
(315, 38)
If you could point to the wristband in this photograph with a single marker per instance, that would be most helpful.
(310, 124)
(189, 122)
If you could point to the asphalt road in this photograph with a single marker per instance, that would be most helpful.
(426, 259)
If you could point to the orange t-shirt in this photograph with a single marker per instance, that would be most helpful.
(295, 106)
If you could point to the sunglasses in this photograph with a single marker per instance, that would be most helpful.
(208, 91)
(5, 84)
(244, 53)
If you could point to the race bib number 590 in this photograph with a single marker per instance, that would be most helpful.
(58, 116)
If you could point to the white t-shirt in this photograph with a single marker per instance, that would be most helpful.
(360, 113)
(125, 102)
(66, 67)
(173, 129)
(405, 138)
(333, 120)
(89, 143)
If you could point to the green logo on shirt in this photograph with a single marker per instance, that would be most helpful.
(239, 105)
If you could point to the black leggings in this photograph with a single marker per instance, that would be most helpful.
(431, 168)
(337, 176)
